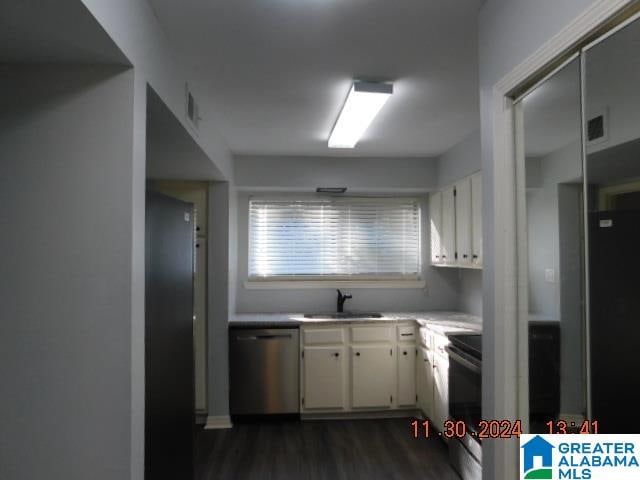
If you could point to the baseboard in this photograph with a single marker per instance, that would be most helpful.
(408, 413)
(201, 418)
(218, 422)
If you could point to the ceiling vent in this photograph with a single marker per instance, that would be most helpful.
(191, 109)
(331, 189)
(598, 128)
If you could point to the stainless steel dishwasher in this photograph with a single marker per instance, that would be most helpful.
(264, 370)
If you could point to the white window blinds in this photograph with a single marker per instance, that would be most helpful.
(345, 238)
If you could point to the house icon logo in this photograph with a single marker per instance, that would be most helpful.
(537, 461)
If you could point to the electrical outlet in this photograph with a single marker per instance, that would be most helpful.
(550, 275)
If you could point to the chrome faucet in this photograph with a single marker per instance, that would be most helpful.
(341, 299)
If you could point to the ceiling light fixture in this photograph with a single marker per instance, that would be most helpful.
(363, 103)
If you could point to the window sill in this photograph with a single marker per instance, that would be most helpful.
(320, 284)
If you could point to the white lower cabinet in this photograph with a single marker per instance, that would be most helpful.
(440, 389)
(356, 368)
(406, 375)
(323, 377)
(372, 376)
(424, 374)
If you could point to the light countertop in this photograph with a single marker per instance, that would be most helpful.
(442, 321)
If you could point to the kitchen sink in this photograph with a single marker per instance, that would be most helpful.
(343, 315)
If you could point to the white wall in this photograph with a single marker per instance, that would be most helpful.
(218, 303)
(440, 294)
(470, 291)
(554, 239)
(267, 175)
(458, 162)
(358, 174)
(66, 170)
(509, 32)
(571, 274)
(135, 29)
(562, 166)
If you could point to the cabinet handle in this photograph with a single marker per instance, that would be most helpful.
(357, 354)
(475, 256)
(336, 354)
(404, 353)
(465, 256)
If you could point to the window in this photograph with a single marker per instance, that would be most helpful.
(339, 239)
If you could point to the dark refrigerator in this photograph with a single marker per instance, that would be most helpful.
(169, 367)
(614, 266)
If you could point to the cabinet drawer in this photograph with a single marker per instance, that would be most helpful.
(406, 333)
(323, 336)
(376, 333)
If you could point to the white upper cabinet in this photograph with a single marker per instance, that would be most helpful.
(448, 236)
(476, 219)
(435, 214)
(456, 224)
(463, 221)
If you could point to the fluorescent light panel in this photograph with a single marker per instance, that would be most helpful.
(363, 103)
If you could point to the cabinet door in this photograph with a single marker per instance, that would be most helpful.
(425, 376)
(324, 375)
(440, 391)
(448, 237)
(463, 221)
(372, 376)
(424, 382)
(435, 213)
(421, 383)
(406, 375)
(476, 218)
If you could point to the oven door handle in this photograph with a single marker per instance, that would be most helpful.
(465, 362)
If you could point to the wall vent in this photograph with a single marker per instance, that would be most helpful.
(191, 109)
(598, 128)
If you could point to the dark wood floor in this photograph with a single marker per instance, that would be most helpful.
(332, 450)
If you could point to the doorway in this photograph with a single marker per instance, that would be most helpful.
(179, 177)
(579, 217)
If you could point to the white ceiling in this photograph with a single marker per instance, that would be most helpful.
(51, 31)
(276, 72)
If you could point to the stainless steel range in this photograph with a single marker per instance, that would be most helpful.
(465, 402)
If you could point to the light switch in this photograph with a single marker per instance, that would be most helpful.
(550, 275)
